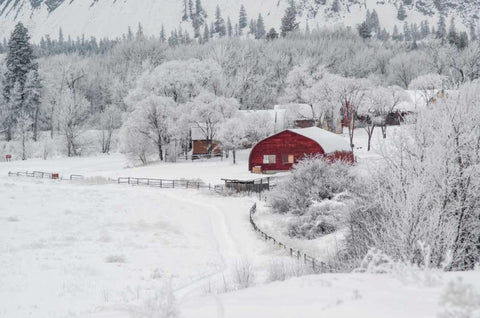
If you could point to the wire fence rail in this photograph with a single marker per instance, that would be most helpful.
(158, 183)
(36, 174)
(317, 266)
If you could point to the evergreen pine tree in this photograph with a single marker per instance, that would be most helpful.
(401, 14)
(407, 32)
(374, 23)
(206, 34)
(196, 25)
(260, 28)
(441, 29)
(452, 33)
(229, 28)
(190, 9)
(212, 30)
(60, 36)
(185, 10)
(462, 41)
(139, 35)
(253, 27)
(20, 61)
(395, 34)
(407, 2)
(129, 34)
(199, 12)
(336, 6)
(163, 36)
(272, 34)
(219, 23)
(242, 20)
(289, 20)
(473, 33)
(364, 30)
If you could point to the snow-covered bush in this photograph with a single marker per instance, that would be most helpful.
(376, 262)
(243, 274)
(312, 180)
(460, 300)
(320, 219)
(281, 269)
(162, 305)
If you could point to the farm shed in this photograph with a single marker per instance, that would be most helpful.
(280, 151)
(200, 145)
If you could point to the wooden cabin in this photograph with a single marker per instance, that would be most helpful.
(281, 151)
(200, 145)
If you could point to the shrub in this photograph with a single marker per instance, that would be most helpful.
(312, 180)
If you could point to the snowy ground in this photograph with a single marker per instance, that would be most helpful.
(80, 250)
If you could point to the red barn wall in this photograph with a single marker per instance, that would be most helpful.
(284, 143)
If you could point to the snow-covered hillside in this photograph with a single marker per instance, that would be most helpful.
(111, 18)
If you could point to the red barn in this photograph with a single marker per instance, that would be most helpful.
(280, 151)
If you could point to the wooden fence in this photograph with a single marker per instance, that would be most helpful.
(169, 183)
(317, 266)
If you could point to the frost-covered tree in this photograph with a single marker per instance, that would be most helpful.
(153, 117)
(180, 80)
(232, 135)
(72, 113)
(207, 112)
(428, 190)
(379, 103)
(110, 120)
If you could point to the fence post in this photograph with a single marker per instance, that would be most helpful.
(174, 184)
(291, 251)
(161, 185)
(128, 180)
(148, 182)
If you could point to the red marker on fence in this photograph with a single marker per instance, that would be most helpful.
(55, 176)
(8, 157)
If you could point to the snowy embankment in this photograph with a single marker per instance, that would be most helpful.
(338, 296)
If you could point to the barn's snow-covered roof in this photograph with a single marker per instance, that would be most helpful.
(329, 141)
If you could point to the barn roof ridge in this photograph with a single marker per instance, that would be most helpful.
(329, 141)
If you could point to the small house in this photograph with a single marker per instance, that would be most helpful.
(281, 151)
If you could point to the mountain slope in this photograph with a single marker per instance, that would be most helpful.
(111, 18)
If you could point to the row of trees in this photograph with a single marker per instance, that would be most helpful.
(255, 73)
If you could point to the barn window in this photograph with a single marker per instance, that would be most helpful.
(287, 159)
(269, 159)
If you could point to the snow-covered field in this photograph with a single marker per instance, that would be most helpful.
(106, 250)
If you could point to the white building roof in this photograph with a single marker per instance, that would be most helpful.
(296, 111)
(329, 141)
(197, 133)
